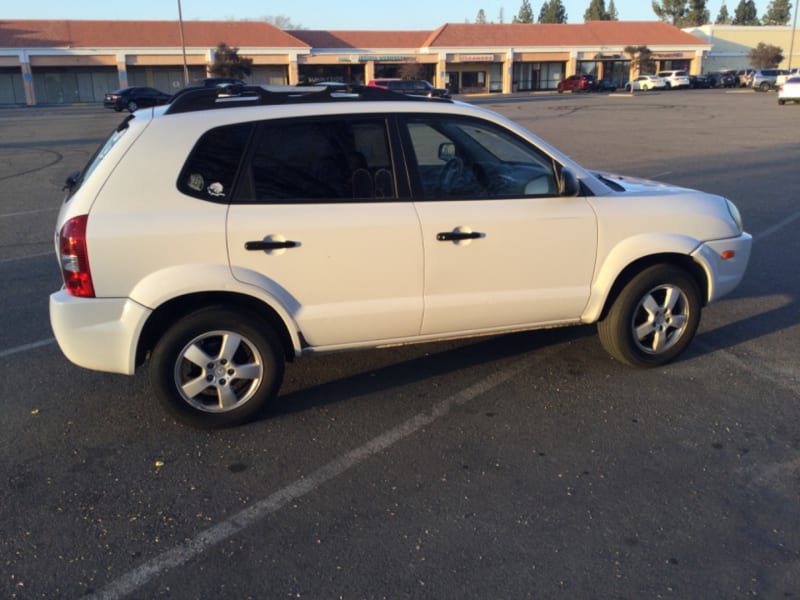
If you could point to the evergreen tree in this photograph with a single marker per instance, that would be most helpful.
(553, 12)
(501, 18)
(778, 13)
(481, 18)
(525, 14)
(613, 15)
(671, 11)
(597, 11)
(746, 13)
(696, 15)
(723, 18)
(228, 63)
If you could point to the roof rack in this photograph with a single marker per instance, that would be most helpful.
(194, 99)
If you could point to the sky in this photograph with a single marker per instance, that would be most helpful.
(327, 14)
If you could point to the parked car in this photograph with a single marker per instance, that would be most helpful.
(699, 82)
(375, 221)
(789, 90)
(675, 79)
(413, 87)
(781, 79)
(133, 98)
(764, 80)
(211, 82)
(606, 85)
(744, 77)
(577, 83)
(722, 79)
(646, 82)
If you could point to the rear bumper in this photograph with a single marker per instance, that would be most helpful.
(98, 334)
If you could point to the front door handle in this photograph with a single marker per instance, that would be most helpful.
(456, 236)
(269, 245)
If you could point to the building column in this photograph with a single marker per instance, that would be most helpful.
(27, 79)
(294, 71)
(441, 72)
(369, 71)
(508, 72)
(122, 71)
(572, 64)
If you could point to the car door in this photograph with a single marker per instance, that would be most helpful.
(502, 249)
(318, 223)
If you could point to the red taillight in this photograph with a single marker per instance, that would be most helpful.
(75, 258)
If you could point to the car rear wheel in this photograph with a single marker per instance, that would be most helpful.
(217, 367)
(653, 318)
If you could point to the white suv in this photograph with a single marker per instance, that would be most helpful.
(272, 224)
(676, 79)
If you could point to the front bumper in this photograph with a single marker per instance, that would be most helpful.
(724, 274)
(101, 334)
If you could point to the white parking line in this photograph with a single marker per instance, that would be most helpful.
(777, 227)
(30, 212)
(16, 258)
(257, 512)
(26, 347)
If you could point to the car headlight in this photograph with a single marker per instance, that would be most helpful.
(735, 214)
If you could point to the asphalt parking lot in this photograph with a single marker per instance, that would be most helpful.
(521, 466)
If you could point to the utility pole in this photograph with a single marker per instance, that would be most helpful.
(183, 47)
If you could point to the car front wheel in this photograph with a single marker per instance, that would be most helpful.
(217, 367)
(132, 106)
(653, 318)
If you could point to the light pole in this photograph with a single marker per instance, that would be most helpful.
(183, 47)
(794, 30)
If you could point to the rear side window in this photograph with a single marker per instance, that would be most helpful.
(211, 169)
(319, 160)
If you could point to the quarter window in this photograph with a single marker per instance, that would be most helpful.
(211, 169)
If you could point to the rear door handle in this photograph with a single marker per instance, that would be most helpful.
(270, 245)
(455, 236)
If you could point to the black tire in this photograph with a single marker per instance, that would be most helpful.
(653, 318)
(765, 86)
(132, 106)
(781, 101)
(235, 370)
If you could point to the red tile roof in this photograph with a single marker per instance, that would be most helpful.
(260, 34)
(592, 33)
(137, 34)
(361, 39)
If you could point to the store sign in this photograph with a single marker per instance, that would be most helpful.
(476, 58)
(389, 58)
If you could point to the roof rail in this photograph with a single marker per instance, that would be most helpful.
(194, 99)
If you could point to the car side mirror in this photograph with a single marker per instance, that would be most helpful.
(447, 151)
(568, 184)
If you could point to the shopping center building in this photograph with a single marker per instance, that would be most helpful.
(64, 62)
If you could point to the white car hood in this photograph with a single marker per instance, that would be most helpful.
(636, 185)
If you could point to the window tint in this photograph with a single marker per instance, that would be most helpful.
(211, 169)
(466, 158)
(318, 160)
